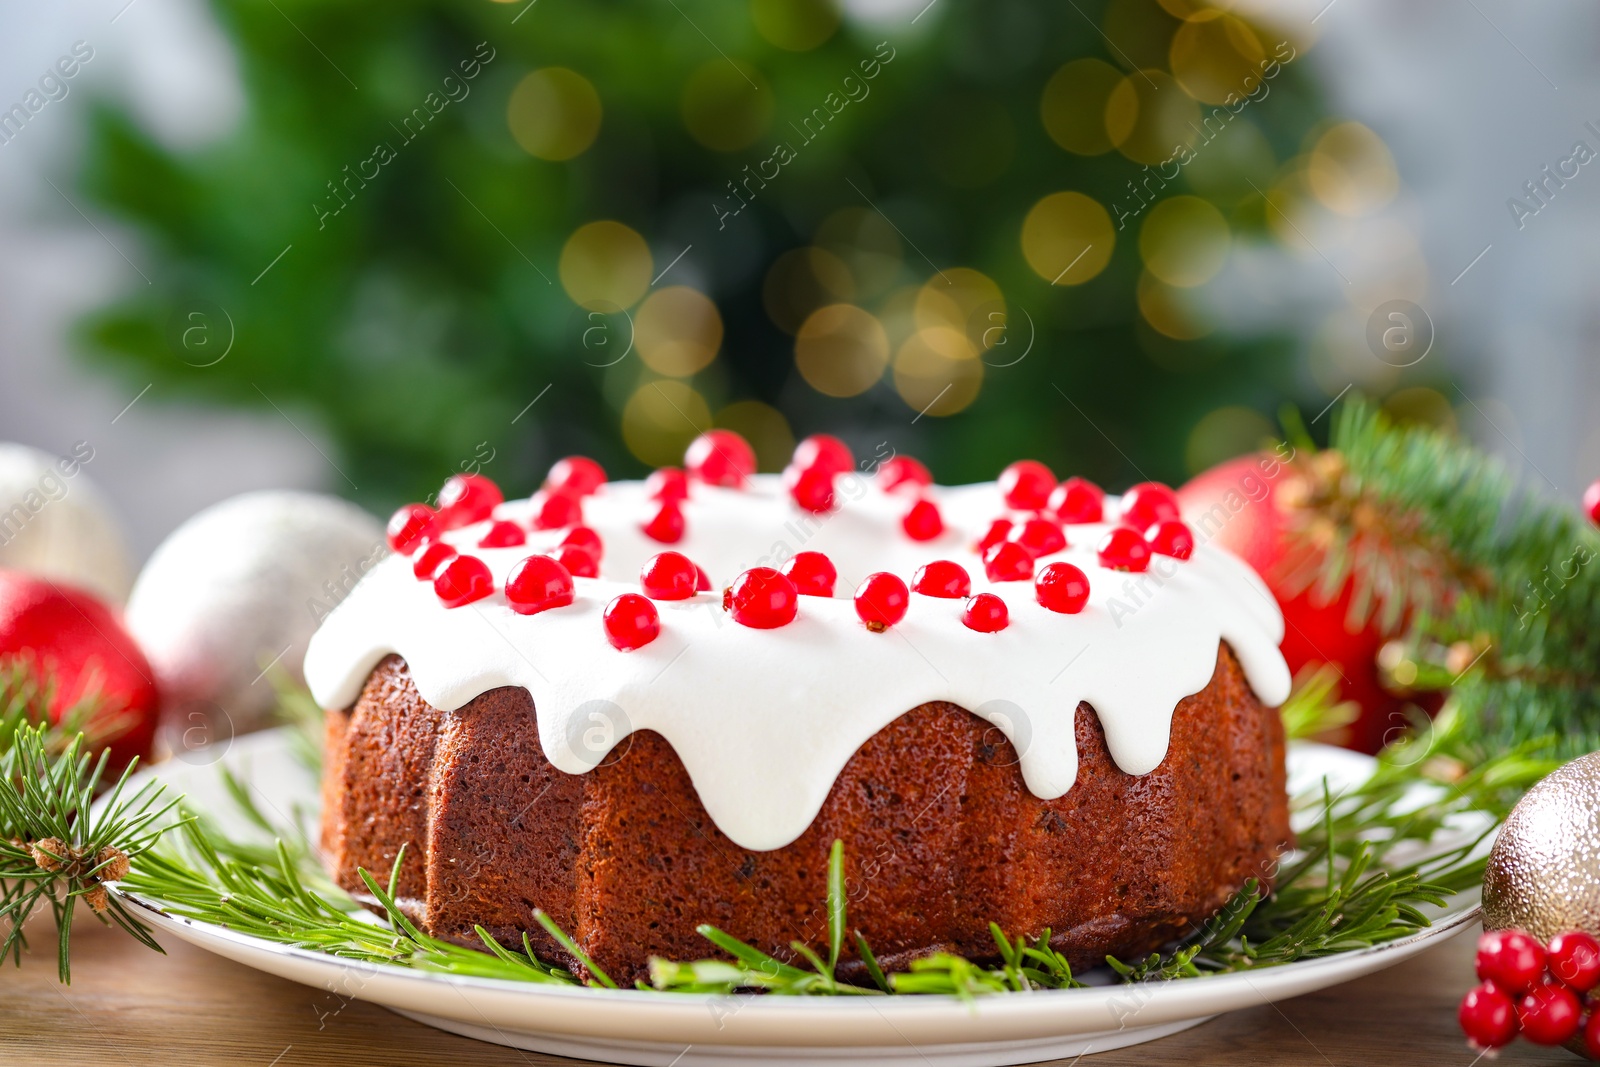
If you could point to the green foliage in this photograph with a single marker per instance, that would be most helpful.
(1500, 588)
(419, 322)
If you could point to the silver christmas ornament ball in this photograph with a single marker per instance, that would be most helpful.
(1543, 874)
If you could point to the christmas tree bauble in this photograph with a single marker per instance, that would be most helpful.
(236, 589)
(1543, 874)
(1235, 505)
(78, 643)
(54, 522)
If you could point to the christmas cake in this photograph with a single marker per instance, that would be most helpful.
(644, 706)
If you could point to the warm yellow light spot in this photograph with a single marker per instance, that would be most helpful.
(1427, 407)
(1067, 238)
(764, 427)
(1351, 170)
(1139, 32)
(937, 371)
(966, 300)
(1184, 241)
(554, 113)
(1167, 310)
(726, 105)
(1149, 117)
(678, 331)
(1225, 433)
(841, 350)
(866, 244)
(1288, 210)
(1216, 56)
(1073, 106)
(802, 280)
(795, 25)
(605, 266)
(660, 419)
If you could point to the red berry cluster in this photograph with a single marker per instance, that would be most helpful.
(1540, 991)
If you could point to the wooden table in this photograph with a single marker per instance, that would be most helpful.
(127, 1005)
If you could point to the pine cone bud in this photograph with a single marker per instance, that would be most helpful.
(98, 899)
(51, 854)
(113, 864)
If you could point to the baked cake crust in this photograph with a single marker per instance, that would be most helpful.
(941, 834)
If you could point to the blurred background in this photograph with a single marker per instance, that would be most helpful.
(357, 247)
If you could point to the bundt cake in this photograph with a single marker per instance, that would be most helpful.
(642, 706)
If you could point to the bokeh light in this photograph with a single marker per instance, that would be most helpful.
(1351, 170)
(1169, 311)
(1184, 241)
(726, 105)
(841, 350)
(937, 371)
(1420, 404)
(1067, 238)
(605, 266)
(678, 331)
(866, 244)
(554, 113)
(1138, 32)
(802, 280)
(1232, 168)
(1225, 433)
(764, 427)
(1148, 116)
(1216, 55)
(660, 419)
(968, 140)
(795, 25)
(963, 299)
(1073, 106)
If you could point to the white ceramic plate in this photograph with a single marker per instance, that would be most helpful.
(635, 1027)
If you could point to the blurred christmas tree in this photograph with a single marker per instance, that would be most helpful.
(968, 231)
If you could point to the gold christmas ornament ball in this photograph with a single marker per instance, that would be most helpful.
(1543, 874)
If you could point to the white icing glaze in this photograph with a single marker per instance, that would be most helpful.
(764, 720)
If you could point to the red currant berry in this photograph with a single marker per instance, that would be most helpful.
(1487, 1017)
(1062, 587)
(435, 554)
(1171, 538)
(923, 522)
(578, 475)
(1148, 503)
(409, 527)
(631, 622)
(1574, 959)
(537, 584)
(1008, 562)
(1591, 502)
(998, 529)
(463, 580)
(720, 457)
(1077, 500)
(1591, 1036)
(823, 451)
(666, 525)
(667, 484)
(1026, 485)
(1510, 959)
(555, 508)
(1040, 537)
(702, 580)
(811, 488)
(881, 601)
(1124, 549)
(502, 534)
(943, 579)
(812, 573)
(585, 539)
(669, 576)
(466, 499)
(985, 613)
(579, 561)
(761, 598)
(898, 471)
(1549, 1013)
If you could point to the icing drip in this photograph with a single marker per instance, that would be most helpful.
(764, 720)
